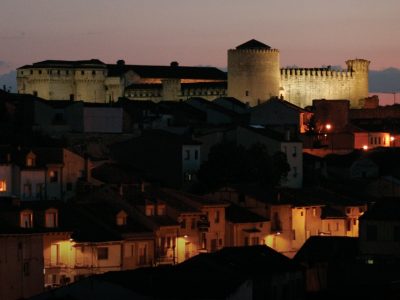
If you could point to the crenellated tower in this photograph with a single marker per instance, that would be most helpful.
(253, 72)
(359, 69)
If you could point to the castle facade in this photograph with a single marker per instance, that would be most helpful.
(254, 76)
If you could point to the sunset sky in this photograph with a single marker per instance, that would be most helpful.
(308, 33)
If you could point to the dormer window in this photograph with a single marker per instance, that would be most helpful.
(30, 160)
(149, 210)
(161, 209)
(51, 218)
(122, 218)
(26, 219)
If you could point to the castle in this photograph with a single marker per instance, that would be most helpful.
(254, 76)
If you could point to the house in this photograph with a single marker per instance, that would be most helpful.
(30, 234)
(39, 173)
(245, 228)
(216, 114)
(380, 232)
(233, 104)
(325, 259)
(280, 115)
(255, 272)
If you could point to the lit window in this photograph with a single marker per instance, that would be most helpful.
(102, 253)
(30, 159)
(3, 185)
(26, 219)
(51, 219)
(314, 211)
(53, 175)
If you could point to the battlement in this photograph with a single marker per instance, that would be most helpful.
(320, 72)
(239, 51)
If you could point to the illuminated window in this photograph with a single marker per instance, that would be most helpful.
(314, 211)
(102, 253)
(53, 175)
(3, 185)
(26, 219)
(30, 159)
(51, 218)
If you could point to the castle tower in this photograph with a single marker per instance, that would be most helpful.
(359, 69)
(253, 72)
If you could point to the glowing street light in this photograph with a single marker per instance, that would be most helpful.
(365, 147)
(328, 126)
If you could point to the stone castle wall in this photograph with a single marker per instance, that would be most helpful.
(300, 86)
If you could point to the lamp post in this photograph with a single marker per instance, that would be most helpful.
(328, 128)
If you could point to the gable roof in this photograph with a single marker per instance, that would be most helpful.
(327, 248)
(253, 44)
(178, 72)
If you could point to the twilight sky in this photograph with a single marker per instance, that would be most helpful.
(308, 33)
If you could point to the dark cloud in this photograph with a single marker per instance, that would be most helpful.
(384, 81)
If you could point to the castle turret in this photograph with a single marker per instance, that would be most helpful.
(359, 69)
(253, 72)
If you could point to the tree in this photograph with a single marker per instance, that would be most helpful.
(229, 163)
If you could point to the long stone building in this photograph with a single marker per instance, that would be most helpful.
(254, 76)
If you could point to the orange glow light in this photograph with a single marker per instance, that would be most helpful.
(365, 147)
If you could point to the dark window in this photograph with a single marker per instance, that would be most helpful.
(217, 216)
(246, 241)
(183, 223)
(67, 72)
(372, 233)
(35, 93)
(193, 223)
(69, 186)
(40, 71)
(58, 72)
(31, 72)
(26, 269)
(247, 93)
(396, 233)
(82, 72)
(93, 72)
(71, 97)
(102, 253)
(187, 154)
(196, 154)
